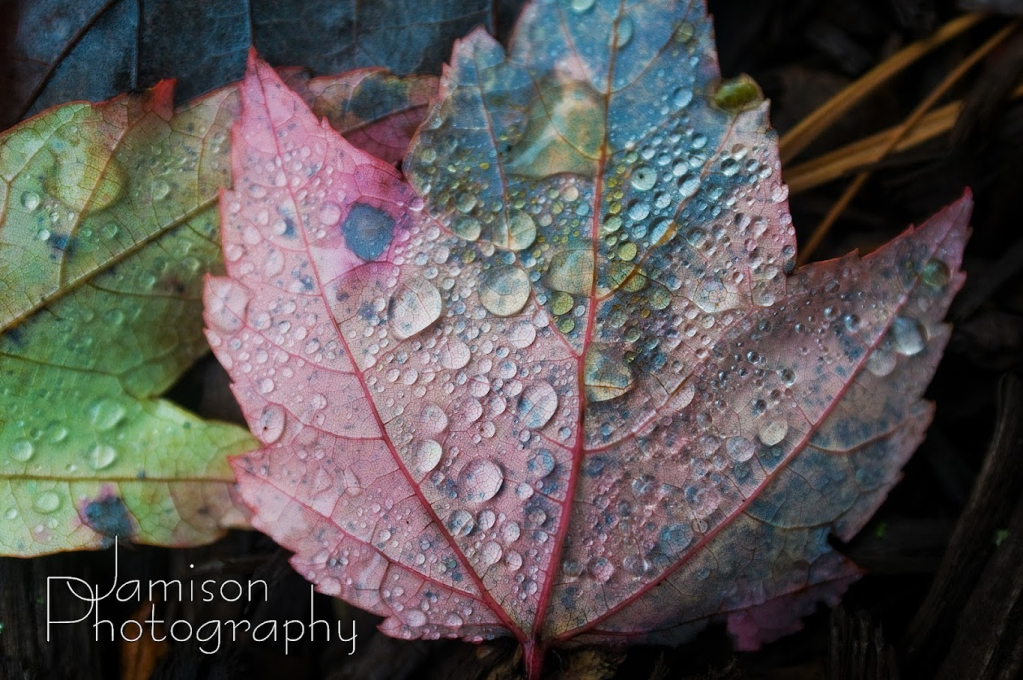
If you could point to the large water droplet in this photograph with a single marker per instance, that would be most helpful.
(460, 523)
(101, 456)
(159, 189)
(491, 553)
(643, 178)
(581, 6)
(572, 271)
(881, 361)
(740, 449)
(454, 355)
(46, 502)
(426, 455)
(519, 232)
(521, 335)
(606, 375)
(22, 450)
(480, 480)
(601, 569)
(271, 424)
(30, 200)
(504, 290)
(773, 431)
(415, 305)
(909, 334)
(936, 274)
(106, 414)
(537, 405)
(415, 618)
(624, 32)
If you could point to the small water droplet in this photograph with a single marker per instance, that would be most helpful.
(330, 214)
(415, 618)
(454, 355)
(581, 6)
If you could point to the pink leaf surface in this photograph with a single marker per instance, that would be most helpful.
(555, 382)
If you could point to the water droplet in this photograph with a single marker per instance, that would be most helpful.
(30, 200)
(46, 502)
(271, 424)
(881, 361)
(601, 569)
(936, 274)
(605, 374)
(773, 431)
(643, 178)
(624, 32)
(415, 618)
(480, 480)
(106, 414)
(159, 189)
(571, 271)
(542, 463)
(739, 448)
(491, 553)
(330, 213)
(909, 335)
(518, 234)
(682, 97)
(513, 560)
(101, 456)
(433, 419)
(22, 450)
(460, 523)
(504, 290)
(521, 335)
(266, 386)
(454, 355)
(415, 305)
(426, 455)
(581, 6)
(537, 405)
(510, 532)
(56, 433)
(468, 228)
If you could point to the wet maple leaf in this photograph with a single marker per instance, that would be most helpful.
(559, 381)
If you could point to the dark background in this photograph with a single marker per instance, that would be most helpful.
(943, 594)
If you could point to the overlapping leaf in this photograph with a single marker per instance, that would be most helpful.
(559, 381)
(108, 228)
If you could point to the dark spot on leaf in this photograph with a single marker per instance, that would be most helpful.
(368, 231)
(109, 517)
